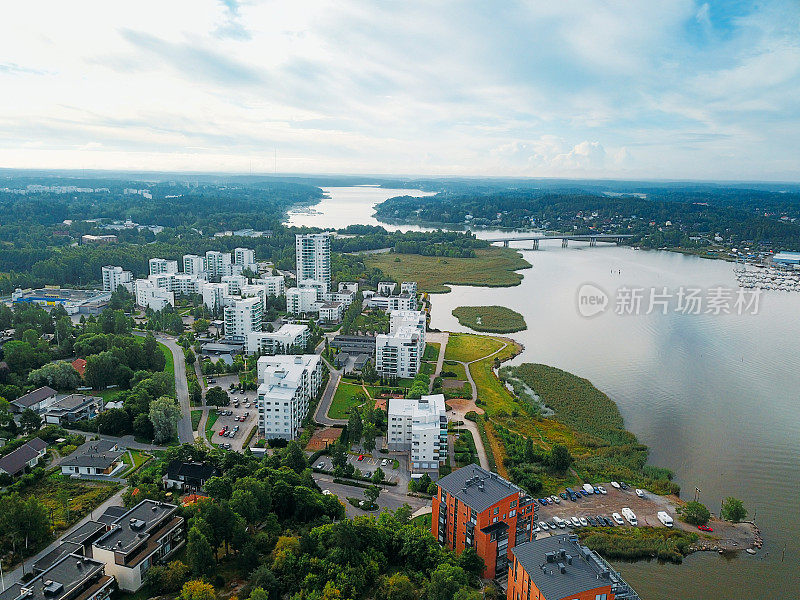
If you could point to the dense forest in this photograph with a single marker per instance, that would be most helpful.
(657, 217)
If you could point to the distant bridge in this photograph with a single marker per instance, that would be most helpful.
(592, 238)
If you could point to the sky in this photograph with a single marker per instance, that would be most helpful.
(667, 89)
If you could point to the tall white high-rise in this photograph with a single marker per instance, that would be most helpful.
(314, 260)
(217, 263)
(161, 265)
(192, 264)
(113, 277)
(245, 257)
(288, 383)
(242, 318)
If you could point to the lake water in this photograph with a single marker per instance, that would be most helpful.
(716, 397)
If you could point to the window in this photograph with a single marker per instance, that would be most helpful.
(496, 510)
(513, 503)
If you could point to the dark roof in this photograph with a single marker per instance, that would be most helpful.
(15, 461)
(55, 555)
(499, 526)
(87, 530)
(34, 397)
(465, 485)
(191, 470)
(37, 444)
(584, 574)
(97, 453)
(112, 514)
(135, 526)
(59, 581)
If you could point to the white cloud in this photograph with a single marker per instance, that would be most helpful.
(541, 89)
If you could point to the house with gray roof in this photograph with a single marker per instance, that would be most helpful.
(25, 457)
(96, 458)
(74, 407)
(38, 400)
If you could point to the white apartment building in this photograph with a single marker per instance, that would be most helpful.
(386, 288)
(242, 318)
(287, 385)
(217, 264)
(245, 257)
(150, 295)
(387, 303)
(234, 283)
(419, 427)
(289, 338)
(348, 286)
(214, 295)
(193, 264)
(407, 318)
(301, 300)
(275, 285)
(409, 287)
(314, 260)
(398, 354)
(331, 311)
(113, 277)
(161, 265)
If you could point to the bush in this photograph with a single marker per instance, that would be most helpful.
(696, 513)
(733, 510)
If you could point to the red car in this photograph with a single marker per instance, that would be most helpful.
(361, 457)
(222, 431)
(704, 528)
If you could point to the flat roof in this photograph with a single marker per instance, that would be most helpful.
(59, 581)
(86, 531)
(465, 485)
(55, 555)
(584, 574)
(127, 531)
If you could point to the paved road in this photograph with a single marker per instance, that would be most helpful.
(185, 431)
(441, 339)
(391, 497)
(321, 414)
(10, 578)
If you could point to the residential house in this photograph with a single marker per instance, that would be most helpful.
(37, 400)
(188, 476)
(23, 458)
(75, 407)
(94, 458)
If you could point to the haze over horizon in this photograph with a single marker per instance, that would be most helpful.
(675, 90)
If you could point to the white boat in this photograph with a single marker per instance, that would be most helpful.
(630, 516)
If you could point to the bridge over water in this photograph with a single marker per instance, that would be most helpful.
(592, 238)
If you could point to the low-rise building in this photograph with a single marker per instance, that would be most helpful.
(386, 303)
(290, 338)
(150, 295)
(95, 458)
(188, 476)
(331, 312)
(420, 428)
(98, 239)
(72, 577)
(287, 385)
(24, 458)
(144, 536)
(75, 407)
(85, 302)
(558, 567)
(38, 400)
(476, 508)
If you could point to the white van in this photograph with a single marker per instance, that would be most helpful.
(630, 516)
(665, 519)
(588, 487)
(617, 519)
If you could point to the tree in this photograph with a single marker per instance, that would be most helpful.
(114, 421)
(199, 553)
(100, 370)
(354, 426)
(60, 375)
(164, 415)
(294, 457)
(398, 587)
(371, 494)
(30, 421)
(446, 580)
(142, 427)
(197, 590)
(195, 392)
(190, 357)
(560, 458)
(378, 476)
(471, 562)
(20, 356)
(219, 488)
(369, 437)
(696, 513)
(216, 396)
(733, 510)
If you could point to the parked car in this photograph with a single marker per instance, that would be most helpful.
(222, 432)
(555, 499)
(640, 493)
(384, 462)
(624, 485)
(584, 493)
(602, 490)
(592, 521)
(617, 519)
(360, 457)
(564, 495)
(583, 521)
(542, 502)
(543, 526)
(614, 484)
(705, 528)
(326, 492)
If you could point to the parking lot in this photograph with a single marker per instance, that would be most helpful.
(243, 414)
(368, 465)
(646, 509)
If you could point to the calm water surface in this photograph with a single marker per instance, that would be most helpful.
(717, 398)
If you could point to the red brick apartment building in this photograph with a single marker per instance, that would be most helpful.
(474, 507)
(557, 567)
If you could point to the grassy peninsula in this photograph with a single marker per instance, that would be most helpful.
(492, 319)
(490, 267)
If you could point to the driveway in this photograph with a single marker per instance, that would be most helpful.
(391, 497)
(321, 414)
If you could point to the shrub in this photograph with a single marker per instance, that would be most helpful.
(696, 513)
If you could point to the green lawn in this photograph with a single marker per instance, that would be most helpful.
(493, 267)
(196, 416)
(432, 350)
(494, 319)
(423, 521)
(347, 396)
(169, 367)
(212, 418)
(139, 458)
(106, 395)
(467, 347)
(454, 367)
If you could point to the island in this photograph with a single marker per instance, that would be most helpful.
(491, 319)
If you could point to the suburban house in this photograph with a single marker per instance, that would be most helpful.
(145, 535)
(37, 400)
(558, 567)
(71, 577)
(478, 508)
(188, 476)
(24, 457)
(97, 457)
(75, 407)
